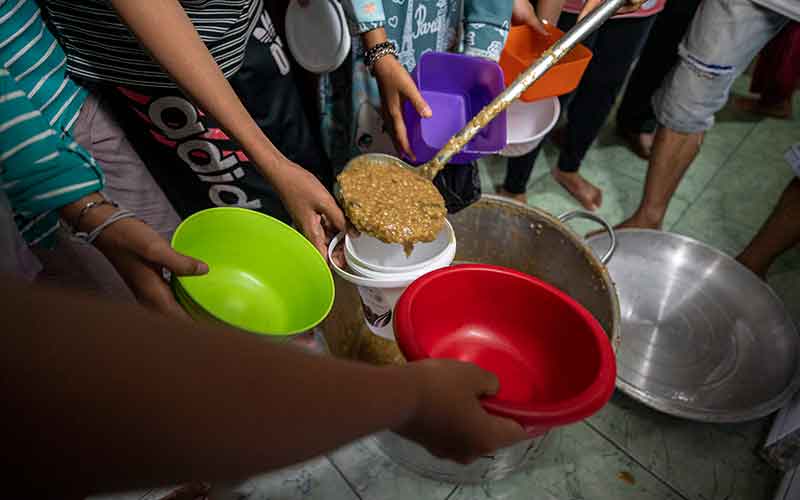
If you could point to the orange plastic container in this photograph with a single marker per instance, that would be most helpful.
(524, 46)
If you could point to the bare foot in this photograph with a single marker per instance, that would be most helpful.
(640, 143)
(781, 110)
(587, 194)
(636, 221)
(520, 197)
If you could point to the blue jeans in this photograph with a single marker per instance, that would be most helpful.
(723, 39)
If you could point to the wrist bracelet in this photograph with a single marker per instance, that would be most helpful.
(378, 52)
(115, 217)
(89, 206)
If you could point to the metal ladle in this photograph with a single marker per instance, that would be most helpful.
(547, 60)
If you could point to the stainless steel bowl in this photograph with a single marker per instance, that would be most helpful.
(705, 339)
(505, 233)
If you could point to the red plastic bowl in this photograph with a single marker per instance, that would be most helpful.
(553, 359)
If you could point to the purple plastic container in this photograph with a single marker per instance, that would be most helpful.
(456, 87)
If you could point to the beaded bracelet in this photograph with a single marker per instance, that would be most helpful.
(378, 52)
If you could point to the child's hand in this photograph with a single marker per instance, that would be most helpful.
(139, 254)
(396, 85)
(449, 419)
(337, 256)
(524, 13)
(311, 206)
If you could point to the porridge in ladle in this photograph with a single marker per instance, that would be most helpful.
(390, 202)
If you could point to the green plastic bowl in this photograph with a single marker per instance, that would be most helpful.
(264, 276)
(191, 307)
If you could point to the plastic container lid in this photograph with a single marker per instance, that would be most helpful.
(317, 34)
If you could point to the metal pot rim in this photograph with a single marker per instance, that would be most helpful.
(572, 236)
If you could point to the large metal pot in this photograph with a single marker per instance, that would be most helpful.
(505, 233)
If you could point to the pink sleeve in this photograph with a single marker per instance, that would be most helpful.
(573, 6)
(649, 8)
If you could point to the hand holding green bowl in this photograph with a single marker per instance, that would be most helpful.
(264, 276)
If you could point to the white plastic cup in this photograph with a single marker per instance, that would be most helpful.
(528, 123)
(379, 292)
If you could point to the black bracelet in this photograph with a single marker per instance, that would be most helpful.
(377, 52)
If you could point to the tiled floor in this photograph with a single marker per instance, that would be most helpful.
(627, 451)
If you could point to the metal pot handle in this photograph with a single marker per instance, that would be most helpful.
(582, 214)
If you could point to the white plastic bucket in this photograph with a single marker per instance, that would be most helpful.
(528, 123)
(367, 252)
(379, 292)
(442, 260)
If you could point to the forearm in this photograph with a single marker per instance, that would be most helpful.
(85, 221)
(168, 34)
(71, 212)
(373, 37)
(111, 396)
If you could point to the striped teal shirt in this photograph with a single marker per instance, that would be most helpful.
(41, 167)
